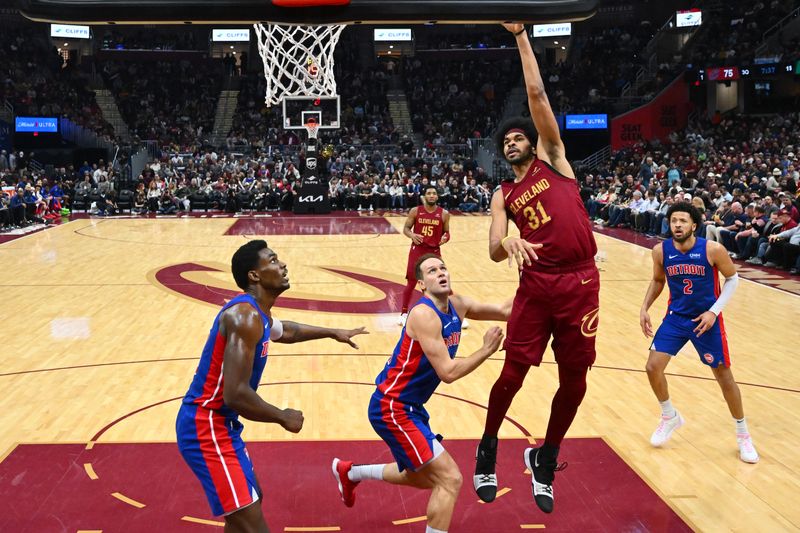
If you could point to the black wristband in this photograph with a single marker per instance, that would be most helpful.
(520, 32)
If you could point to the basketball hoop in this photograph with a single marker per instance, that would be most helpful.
(312, 128)
(298, 60)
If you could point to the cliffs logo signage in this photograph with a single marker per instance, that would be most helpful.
(204, 283)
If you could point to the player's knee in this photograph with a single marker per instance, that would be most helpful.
(653, 367)
(452, 480)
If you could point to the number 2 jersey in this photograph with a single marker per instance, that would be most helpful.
(693, 282)
(547, 209)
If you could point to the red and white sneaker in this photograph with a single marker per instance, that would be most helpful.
(347, 488)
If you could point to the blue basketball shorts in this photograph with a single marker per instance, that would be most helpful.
(676, 330)
(213, 448)
(404, 428)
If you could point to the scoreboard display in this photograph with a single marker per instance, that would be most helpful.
(763, 70)
(722, 73)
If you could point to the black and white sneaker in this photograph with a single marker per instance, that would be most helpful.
(485, 479)
(543, 471)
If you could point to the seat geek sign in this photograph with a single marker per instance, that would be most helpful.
(68, 31)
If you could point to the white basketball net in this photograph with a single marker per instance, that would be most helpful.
(298, 60)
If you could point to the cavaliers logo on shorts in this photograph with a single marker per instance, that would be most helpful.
(589, 323)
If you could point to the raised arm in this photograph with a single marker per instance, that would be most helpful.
(549, 148)
(425, 327)
(653, 290)
(296, 332)
(243, 328)
(477, 310)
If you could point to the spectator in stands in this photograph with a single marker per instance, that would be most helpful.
(784, 249)
(747, 239)
(741, 221)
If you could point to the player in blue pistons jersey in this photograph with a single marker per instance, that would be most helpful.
(422, 359)
(225, 383)
(690, 267)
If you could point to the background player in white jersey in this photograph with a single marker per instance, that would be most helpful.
(423, 358)
(690, 266)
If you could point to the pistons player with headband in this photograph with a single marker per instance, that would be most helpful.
(423, 358)
(558, 294)
(225, 383)
(690, 266)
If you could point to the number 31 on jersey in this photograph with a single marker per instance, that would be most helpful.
(536, 219)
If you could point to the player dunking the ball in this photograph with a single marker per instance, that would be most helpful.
(428, 227)
(423, 358)
(558, 293)
(225, 383)
(690, 266)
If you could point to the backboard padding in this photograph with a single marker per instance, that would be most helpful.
(358, 11)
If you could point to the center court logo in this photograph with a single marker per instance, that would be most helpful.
(589, 323)
(200, 282)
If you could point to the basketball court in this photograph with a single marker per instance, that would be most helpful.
(111, 315)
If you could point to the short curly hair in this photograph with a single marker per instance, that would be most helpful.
(516, 123)
(244, 260)
(685, 207)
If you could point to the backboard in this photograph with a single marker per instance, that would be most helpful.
(298, 109)
(355, 12)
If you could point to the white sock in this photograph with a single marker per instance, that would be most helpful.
(429, 529)
(741, 426)
(362, 472)
(667, 411)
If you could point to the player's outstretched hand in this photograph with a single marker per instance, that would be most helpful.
(644, 322)
(492, 339)
(346, 335)
(706, 321)
(521, 251)
(292, 420)
(514, 28)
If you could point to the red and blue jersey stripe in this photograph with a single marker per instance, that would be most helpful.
(408, 376)
(208, 385)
